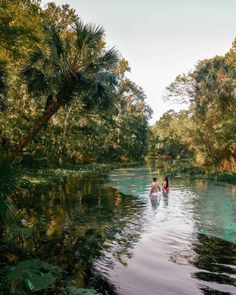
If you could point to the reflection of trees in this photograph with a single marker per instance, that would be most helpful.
(73, 225)
(214, 209)
(210, 291)
(215, 258)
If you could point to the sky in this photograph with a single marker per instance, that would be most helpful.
(161, 38)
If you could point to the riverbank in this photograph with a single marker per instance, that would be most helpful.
(48, 177)
(204, 173)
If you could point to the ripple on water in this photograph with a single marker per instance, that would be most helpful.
(187, 240)
(182, 244)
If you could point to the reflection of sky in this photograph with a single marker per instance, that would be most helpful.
(215, 211)
(131, 181)
(211, 208)
(163, 259)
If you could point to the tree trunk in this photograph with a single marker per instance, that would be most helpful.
(39, 123)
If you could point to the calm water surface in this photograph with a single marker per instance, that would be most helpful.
(106, 233)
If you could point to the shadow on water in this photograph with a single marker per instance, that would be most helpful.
(215, 261)
(88, 228)
(210, 291)
(74, 224)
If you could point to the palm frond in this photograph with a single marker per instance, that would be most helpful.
(100, 93)
(109, 59)
(97, 32)
(37, 80)
(37, 56)
(88, 36)
(107, 78)
(54, 41)
(31, 275)
(8, 177)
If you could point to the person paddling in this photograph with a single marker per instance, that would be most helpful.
(155, 188)
(165, 185)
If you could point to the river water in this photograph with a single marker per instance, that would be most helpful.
(105, 232)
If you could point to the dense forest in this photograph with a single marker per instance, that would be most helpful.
(66, 99)
(65, 96)
(206, 131)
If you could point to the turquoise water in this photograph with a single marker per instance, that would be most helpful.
(104, 232)
(187, 245)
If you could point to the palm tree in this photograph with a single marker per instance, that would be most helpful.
(72, 65)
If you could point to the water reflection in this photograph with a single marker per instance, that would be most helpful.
(214, 206)
(194, 225)
(215, 260)
(210, 291)
(107, 233)
(75, 224)
(155, 201)
(165, 198)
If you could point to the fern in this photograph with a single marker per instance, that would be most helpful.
(31, 275)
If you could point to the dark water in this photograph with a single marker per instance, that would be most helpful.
(105, 232)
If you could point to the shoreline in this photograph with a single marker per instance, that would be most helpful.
(48, 177)
(193, 172)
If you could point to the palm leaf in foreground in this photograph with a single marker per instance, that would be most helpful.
(31, 275)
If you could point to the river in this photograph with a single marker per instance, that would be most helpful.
(105, 232)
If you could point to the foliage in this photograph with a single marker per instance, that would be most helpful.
(183, 169)
(73, 101)
(64, 100)
(207, 128)
(8, 177)
(167, 137)
(30, 275)
(71, 290)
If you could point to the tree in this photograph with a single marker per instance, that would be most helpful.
(210, 92)
(73, 65)
(20, 27)
(169, 136)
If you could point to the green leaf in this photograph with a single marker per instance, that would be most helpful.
(14, 230)
(31, 275)
(72, 290)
